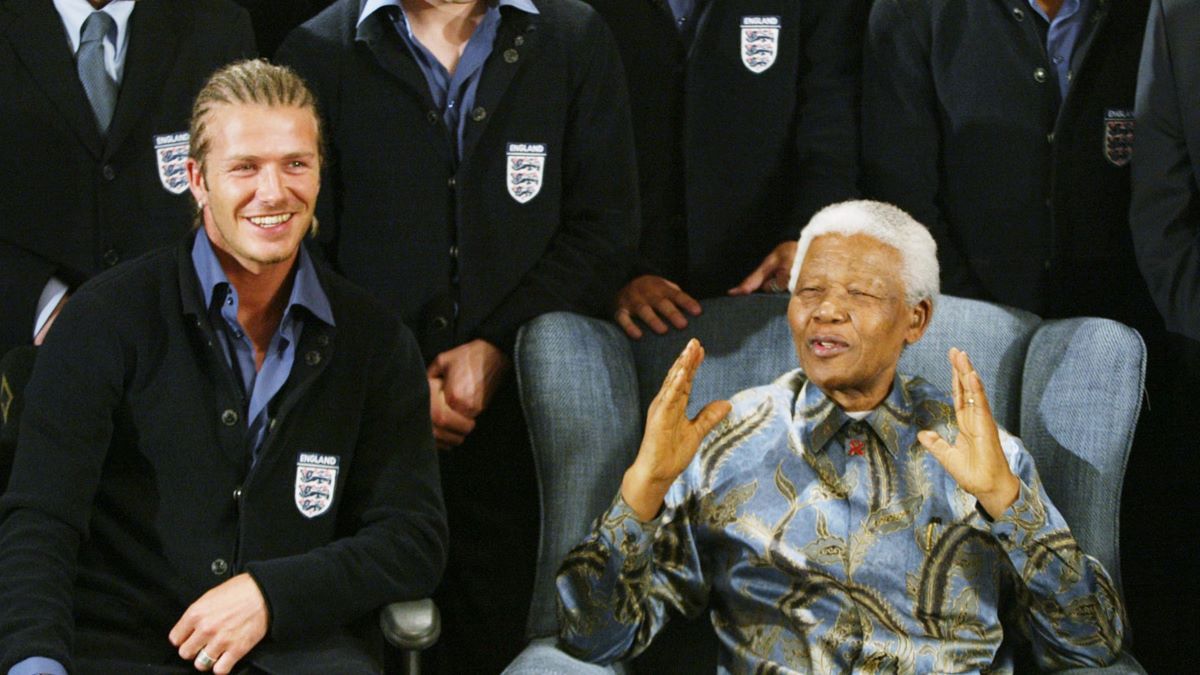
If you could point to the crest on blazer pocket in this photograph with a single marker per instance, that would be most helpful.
(316, 479)
(760, 42)
(524, 169)
(1118, 136)
(170, 152)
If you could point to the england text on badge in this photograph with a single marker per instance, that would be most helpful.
(760, 42)
(1118, 136)
(316, 478)
(171, 151)
(525, 169)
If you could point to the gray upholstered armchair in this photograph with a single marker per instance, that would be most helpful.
(1072, 389)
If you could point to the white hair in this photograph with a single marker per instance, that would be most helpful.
(887, 224)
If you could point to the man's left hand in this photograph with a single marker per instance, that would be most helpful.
(772, 274)
(225, 623)
(976, 460)
(470, 373)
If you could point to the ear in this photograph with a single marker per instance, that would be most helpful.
(920, 315)
(196, 184)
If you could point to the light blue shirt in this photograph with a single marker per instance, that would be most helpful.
(829, 544)
(1063, 34)
(260, 386)
(455, 93)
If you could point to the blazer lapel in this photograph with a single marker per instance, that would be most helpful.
(154, 34)
(388, 49)
(37, 36)
(516, 43)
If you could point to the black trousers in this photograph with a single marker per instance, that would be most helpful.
(490, 489)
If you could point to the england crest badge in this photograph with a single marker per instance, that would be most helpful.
(171, 151)
(524, 170)
(760, 42)
(316, 478)
(1118, 136)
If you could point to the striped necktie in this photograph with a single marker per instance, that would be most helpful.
(101, 90)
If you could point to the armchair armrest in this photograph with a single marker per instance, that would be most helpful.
(411, 626)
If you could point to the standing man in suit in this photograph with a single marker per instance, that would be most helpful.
(97, 95)
(482, 174)
(1165, 216)
(745, 116)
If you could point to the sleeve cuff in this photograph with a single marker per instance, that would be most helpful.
(51, 295)
(1023, 522)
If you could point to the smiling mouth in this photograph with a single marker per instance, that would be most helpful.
(268, 222)
(825, 346)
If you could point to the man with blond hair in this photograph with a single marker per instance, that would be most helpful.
(846, 517)
(179, 499)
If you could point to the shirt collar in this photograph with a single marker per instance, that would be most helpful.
(75, 12)
(820, 419)
(307, 291)
(369, 7)
(1068, 9)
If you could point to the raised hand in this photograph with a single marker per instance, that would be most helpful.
(652, 299)
(976, 460)
(670, 439)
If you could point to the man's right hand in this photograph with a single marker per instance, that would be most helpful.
(671, 439)
(450, 427)
(652, 298)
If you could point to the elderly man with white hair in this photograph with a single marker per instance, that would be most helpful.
(845, 517)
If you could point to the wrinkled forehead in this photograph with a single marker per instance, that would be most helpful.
(857, 257)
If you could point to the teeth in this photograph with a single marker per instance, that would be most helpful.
(268, 221)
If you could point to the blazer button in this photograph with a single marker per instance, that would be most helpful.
(451, 182)
(439, 322)
(323, 340)
(108, 172)
(432, 117)
(479, 114)
(219, 567)
(111, 257)
(1018, 14)
(312, 358)
(229, 417)
(237, 493)
(511, 55)
(454, 252)
(519, 40)
(1039, 74)
(1050, 137)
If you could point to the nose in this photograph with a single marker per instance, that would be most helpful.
(831, 308)
(270, 186)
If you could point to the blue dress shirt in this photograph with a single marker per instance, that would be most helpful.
(260, 386)
(451, 93)
(1064, 32)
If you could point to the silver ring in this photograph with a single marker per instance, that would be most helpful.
(204, 660)
(970, 401)
(773, 286)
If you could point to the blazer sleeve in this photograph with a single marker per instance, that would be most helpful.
(901, 132)
(66, 428)
(396, 546)
(1165, 208)
(596, 242)
(827, 125)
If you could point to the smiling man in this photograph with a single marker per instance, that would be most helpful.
(827, 518)
(179, 500)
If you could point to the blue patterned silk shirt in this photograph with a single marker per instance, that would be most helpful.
(824, 544)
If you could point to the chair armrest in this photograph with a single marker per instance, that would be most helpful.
(413, 625)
